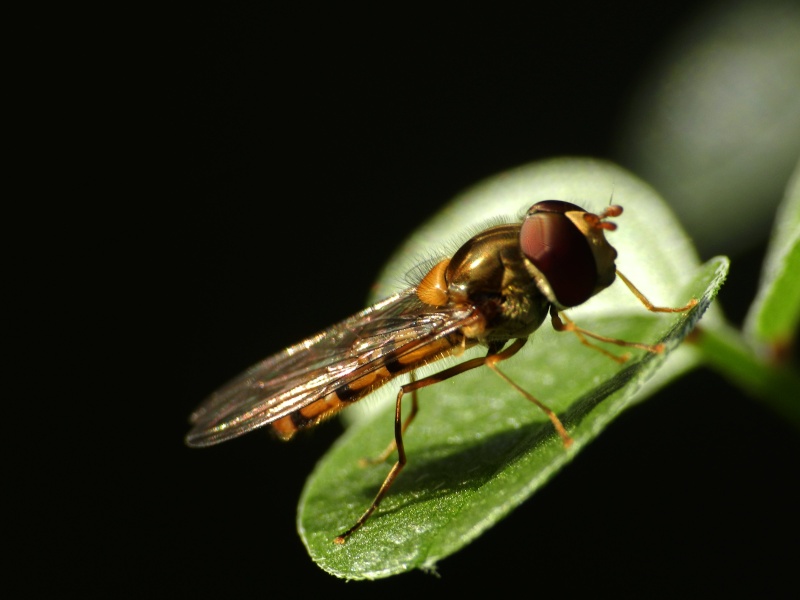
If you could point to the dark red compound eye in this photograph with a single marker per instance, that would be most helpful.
(560, 251)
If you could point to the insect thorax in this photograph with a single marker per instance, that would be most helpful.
(489, 273)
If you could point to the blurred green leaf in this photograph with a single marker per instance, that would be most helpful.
(775, 313)
(478, 449)
(714, 124)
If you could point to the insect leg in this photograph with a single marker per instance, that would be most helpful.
(581, 334)
(569, 325)
(393, 444)
(400, 426)
(491, 362)
(560, 325)
(649, 305)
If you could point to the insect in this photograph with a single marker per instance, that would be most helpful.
(495, 291)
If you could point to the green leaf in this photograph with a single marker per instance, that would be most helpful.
(775, 313)
(714, 122)
(478, 449)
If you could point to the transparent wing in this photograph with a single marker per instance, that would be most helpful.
(302, 374)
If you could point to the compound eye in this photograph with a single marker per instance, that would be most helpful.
(560, 252)
(554, 206)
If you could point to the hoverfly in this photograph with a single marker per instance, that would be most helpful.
(497, 288)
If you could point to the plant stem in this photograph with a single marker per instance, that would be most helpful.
(724, 350)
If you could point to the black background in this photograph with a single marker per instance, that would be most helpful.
(292, 153)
